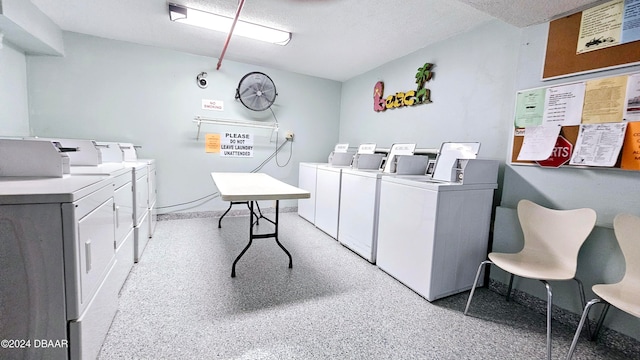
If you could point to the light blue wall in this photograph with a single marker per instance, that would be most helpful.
(472, 94)
(610, 191)
(116, 91)
(607, 191)
(476, 77)
(14, 115)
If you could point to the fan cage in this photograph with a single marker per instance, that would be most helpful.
(256, 91)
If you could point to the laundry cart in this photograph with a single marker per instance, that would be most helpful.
(358, 215)
(433, 235)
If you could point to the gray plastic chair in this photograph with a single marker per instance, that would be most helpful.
(552, 240)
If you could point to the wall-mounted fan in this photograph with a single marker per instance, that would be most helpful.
(256, 91)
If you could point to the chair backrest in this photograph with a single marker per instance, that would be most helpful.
(627, 230)
(557, 233)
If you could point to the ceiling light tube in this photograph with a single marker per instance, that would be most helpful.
(221, 23)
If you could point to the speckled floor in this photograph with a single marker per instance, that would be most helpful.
(180, 302)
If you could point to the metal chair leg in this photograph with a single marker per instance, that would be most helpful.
(583, 319)
(549, 306)
(510, 287)
(475, 283)
(584, 303)
(600, 321)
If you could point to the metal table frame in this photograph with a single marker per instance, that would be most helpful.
(249, 188)
(231, 203)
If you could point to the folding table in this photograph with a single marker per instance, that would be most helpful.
(251, 187)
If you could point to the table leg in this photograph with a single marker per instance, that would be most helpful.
(233, 268)
(276, 235)
(261, 236)
(231, 203)
(225, 213)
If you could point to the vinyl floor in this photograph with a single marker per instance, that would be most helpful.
(180, 302)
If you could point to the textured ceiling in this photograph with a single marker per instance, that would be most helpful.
(332, 39)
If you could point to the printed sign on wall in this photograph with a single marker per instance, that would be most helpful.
(234, 144)
(217, 105)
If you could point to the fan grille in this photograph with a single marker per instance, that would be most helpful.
(256, 91)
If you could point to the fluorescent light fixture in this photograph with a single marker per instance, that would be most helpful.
(221, 23)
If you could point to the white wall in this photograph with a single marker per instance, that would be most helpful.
(116, 91)
(14, 115)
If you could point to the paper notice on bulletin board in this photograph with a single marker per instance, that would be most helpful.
(604, 100)
(632, 111)
(631, 147)
(601, 26)
(563, 104)
(631, 21)
(530, 107)
(598, 144)
(539, 142)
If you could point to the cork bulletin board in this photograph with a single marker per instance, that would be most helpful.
(602, 129)
(561, 59)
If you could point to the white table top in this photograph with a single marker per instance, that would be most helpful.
(254, 186)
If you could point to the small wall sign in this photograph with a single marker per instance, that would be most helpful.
(421, 95)
(216, 105)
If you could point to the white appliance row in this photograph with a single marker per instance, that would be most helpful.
(430, 235)
(68, 245)
(60, 276)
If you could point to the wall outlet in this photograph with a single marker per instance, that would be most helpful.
(289, 135)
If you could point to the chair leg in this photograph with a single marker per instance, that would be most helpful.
(600, 321)
(584, 303)
(585, 315)
(475, 283)
(549, 305)
(510, 287)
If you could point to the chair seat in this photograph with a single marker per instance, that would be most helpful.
(533, 266)
(623, 296)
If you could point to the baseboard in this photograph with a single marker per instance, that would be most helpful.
(241, 210)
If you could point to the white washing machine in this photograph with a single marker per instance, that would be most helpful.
(307, 181)
(123, 197)
(328, 199)
(141, 218)
(58, 260)
(358, 215)
(152, 188)
(433, 235)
